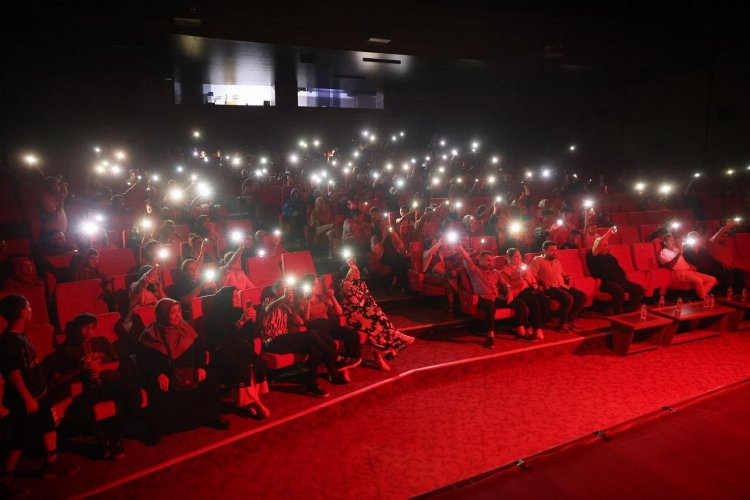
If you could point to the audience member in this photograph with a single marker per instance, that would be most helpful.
(27, 397)
(683, 273)
(557, 286)
(182, 392)
(363, 314)
(604, 266)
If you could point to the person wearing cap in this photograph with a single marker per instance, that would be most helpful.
(604, 266)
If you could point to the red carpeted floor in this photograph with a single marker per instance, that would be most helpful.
(472, 418)
(698, 452)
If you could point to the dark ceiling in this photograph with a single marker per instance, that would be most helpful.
(611, 35)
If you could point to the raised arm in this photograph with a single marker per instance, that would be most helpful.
(428, 254)
(598, 241)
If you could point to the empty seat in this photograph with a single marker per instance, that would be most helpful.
(74, 298)
(571, 264)
(628, 234)
(147, 314)
(644, 259)
(116, 262)
(297, 264)
(264, 270)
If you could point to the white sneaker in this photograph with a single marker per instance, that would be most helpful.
(539, 334)
(521, 331)
(408, 339)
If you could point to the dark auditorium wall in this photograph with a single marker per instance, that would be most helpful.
(687, 107)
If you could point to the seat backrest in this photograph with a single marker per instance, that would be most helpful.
(628, 234)
(464, 282)
(105, 325)
(623, 255)
(644, 256)
(647, 229)
(528, 257)
(416, 249)
(59, 261)
(297, 264)
(200, 307)
(147, 314)
(38, 301)
(76, 297)
(264, 270)
(116, 262)
(43, 338)
(253, 294)
(742, 244)
(500, 261)
(571, 262)
(620, 218)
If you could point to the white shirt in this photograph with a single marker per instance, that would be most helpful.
(667, 255)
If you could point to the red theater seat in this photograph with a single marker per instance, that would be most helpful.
(628, 235)
(264, 270)
(38, 301)
(571, 264)
(147, 314)
(116, 262)
(645, 259)
(297, 264)
(624, 257)
(416, 276)
(74, 298)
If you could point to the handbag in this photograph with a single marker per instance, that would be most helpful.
(184, 378)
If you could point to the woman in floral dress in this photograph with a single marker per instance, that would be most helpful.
(364, 314)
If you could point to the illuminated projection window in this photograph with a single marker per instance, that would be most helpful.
(239, 95)
(338, 98)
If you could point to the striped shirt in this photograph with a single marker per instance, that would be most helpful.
(275, 322)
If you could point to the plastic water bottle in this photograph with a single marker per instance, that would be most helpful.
(706, 302)
(730, 294)
(678, 310)
(711, 301)
(743, 295)
(661, 302)
(644, 313)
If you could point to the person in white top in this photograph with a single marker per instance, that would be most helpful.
(231, 273)
(671, 257)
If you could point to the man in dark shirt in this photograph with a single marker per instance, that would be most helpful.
(605, 267)
(25, 396)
